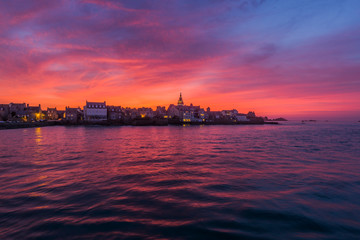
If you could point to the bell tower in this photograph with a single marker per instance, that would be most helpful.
(180, 102)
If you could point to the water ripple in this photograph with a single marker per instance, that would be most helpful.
(292, 181)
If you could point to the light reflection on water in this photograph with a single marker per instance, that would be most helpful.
(213, 182)
(38, 136)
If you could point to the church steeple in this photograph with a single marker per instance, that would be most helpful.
(180, 102)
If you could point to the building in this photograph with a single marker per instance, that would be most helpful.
(95, 111)
(251, 114)
(241, 117)
(34, 113)
(253, 118)
(73, 115)
(52, 114)
(130, 113)
(160, 112)
(146, 112)
(23, 112)
(4, 112)
(173, 111)
(61, 114)
(229, 114)
(180, 101)
(185, 113)
(214, 116)
(17, 111)
(114, 113)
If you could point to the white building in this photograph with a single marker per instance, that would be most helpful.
(95, 111)
(242, 118)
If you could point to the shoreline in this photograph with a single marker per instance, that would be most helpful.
(16, 125)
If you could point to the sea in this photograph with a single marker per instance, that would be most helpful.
(288, 181)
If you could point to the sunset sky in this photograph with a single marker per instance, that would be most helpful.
(295, 59)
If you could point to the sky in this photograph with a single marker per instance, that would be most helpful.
(279, 58)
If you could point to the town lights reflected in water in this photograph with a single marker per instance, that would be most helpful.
(193, 182)
(38, 136)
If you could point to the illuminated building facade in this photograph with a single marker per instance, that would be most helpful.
(180, 101)
(95, 111)
(52, 114)
(34, 113)
(229, 113)
(185, 113)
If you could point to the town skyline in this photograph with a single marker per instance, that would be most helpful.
(294, 59)
(304, 116)
(124, 105)
(102, 113)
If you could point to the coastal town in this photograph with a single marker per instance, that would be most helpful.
(22, 114)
